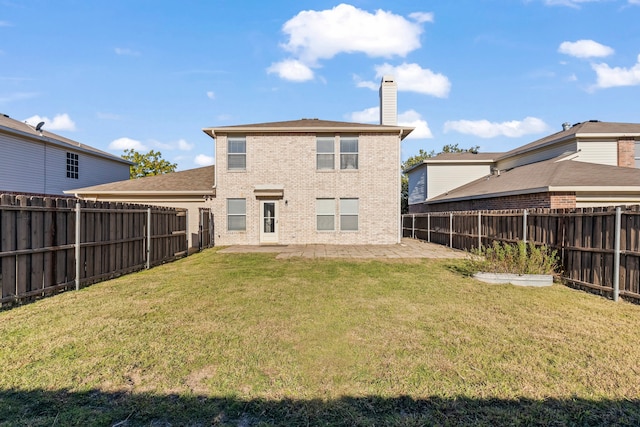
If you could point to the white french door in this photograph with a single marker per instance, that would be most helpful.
(268, 221)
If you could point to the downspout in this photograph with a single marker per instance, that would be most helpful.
(399, 199)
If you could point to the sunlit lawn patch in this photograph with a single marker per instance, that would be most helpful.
(233, 339)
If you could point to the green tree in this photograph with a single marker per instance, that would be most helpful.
(147, 164)
(419, 158)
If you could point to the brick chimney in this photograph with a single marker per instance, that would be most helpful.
(388, 101)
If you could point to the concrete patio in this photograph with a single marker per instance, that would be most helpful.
(407, 249)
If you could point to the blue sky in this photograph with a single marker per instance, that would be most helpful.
(151, 74)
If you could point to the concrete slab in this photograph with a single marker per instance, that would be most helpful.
(407, 249)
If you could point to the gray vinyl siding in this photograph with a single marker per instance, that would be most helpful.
(538, 155)
(21, 165)
(603, 152)
(33, 167)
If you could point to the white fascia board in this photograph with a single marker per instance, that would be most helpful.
(597, 189)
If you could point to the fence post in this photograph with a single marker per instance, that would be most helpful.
(616, 256)
(429, 227)
(479, 230)
(78, 243)
(524, 226)
(413, 226)
(451, 229)
(148, 238)
(186, 231)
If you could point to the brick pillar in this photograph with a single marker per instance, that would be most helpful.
(626, 152)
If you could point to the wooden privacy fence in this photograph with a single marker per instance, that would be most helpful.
(50, 244)
(599, 248)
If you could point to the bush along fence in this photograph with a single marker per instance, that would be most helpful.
(599, 248)
(50, 244)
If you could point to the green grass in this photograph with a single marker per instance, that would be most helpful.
(248, 340)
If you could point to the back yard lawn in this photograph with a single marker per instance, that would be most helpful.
(248, 340)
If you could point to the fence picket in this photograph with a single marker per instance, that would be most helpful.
(38, 242)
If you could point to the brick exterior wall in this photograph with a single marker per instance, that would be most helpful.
(289, 160)
(626, 152)
(522, 201)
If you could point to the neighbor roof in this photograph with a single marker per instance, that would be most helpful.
(307, 125)
(579, 130)
(550, 175)
(23, 129)
(188, 182)
(455, 158)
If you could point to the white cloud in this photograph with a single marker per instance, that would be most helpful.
(183, 145)
(59, 122)
(291, 69)
(487, 129)
(411, 78)
(127, 143)
(413, 119)
(125, 52)
(368, 115)
(571, 3)
(211, 95)
(203, 160)
(421, 17)
(585, 49)
(617, 76)
(410, 118)
(317, 35)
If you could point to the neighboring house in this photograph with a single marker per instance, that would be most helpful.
(190, 189)
(33, 160)
(585, 165)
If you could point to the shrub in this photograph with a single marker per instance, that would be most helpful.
(519, 258)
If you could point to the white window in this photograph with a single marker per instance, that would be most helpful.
(637, 154)
(237, 153)
(72, 165)
(325, 152)
(348, 152)
(236, 214)
(325, 214)
(349, 214)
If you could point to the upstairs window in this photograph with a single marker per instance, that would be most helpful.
(348, 152)
(237, 153)
(325, 152)
(72, 165)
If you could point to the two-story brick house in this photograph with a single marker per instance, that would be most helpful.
(307, 181)
(292, 182)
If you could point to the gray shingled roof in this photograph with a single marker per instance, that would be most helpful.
(22, 127)
(308, 125)
(191, 181)
(466, 157)
(592, 127)
(550, 175)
